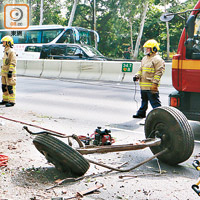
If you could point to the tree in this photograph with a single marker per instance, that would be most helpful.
(51, 14)
(141, 30)
(118, 22)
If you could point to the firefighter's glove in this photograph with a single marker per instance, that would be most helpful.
(154, 88)
(135, 78)
(10, 74)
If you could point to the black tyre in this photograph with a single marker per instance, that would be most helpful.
(171, 125)
(61, 155)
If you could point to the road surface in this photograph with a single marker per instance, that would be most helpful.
(78, 107)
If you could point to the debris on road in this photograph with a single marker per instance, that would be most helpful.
(3, 160)
(82, 193)
(138, 175)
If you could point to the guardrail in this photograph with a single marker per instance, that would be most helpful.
(118, 71)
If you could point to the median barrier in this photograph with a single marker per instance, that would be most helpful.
(34, 67)
(90, 70)
(167, 76)
(76, 69)
(111, 71)
(21, 67)
(70, 69)
(51, 68)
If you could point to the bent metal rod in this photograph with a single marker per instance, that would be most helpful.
(36, 126)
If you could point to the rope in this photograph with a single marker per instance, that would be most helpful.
(134, 97)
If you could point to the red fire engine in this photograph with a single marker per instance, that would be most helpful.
(186, 72)
(186, 67)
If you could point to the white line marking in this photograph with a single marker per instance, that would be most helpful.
(125, 130)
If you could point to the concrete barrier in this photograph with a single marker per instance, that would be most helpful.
(167, 76)
(34, 67)
(51, 68)
(111, 71)
(90, 70)
(70, 69)
(21, 67)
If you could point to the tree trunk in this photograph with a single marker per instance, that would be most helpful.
(72, 13)
(41, 12)
(95, 24)
(140, 31)
(167, 27)
(1, 14)
(131, 33)
(30, 11)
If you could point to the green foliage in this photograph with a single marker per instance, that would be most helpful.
(114, 21)
(51, 12)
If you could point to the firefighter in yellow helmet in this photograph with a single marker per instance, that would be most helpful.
(8, 72)
(149, 75)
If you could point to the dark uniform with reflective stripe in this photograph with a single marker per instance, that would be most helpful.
(151, 70)
(9, 83)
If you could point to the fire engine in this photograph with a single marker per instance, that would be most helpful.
(186, 66)
(186, 72)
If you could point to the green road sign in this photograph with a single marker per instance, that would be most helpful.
(127, 67)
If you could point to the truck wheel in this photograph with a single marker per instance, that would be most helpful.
(171, 125)
(61, 155)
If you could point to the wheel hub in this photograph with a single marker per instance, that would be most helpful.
(160, 132)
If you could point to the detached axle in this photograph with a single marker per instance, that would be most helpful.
(168, 134)
(124, 147)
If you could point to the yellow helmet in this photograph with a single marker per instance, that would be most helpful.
(8, 39)
(153, 44)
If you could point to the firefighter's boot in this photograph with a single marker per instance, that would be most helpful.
(3, 102)
(10, 104)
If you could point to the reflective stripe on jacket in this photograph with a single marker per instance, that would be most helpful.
(151, 70)
(9, 62)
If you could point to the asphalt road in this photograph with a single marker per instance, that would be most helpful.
(85, 104)
(75, 106)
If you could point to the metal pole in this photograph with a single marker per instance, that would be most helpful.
(72, 13)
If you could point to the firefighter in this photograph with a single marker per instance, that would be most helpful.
(8, 72)
(149, 75)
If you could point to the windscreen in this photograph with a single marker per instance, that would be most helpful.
(91, 52)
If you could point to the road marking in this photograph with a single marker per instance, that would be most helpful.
(125, 130)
